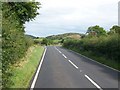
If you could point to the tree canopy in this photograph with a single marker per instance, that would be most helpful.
(24, 11)
(115, 29)
(96, 31)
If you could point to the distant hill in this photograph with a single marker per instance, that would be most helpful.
(66, 35)
(33, 37)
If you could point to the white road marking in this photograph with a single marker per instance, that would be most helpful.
(64, 56)
(93, 82)
(56, 48)
(96, 61)
(60, 52)
(38, 70)
(73, 64)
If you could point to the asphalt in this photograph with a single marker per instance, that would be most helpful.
(62, 68)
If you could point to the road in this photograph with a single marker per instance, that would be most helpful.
(62, 68)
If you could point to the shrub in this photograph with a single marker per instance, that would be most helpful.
(107, 46)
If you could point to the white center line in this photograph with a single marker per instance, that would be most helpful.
(93, 82)
(60, 52)
(73, 64)
(55, 47)
(57, 50)
(64, 56)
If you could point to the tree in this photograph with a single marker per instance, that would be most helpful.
(96, 31)
(44, 41)
(114, 29)
(62, 41)
(24, 11)
(14, 41)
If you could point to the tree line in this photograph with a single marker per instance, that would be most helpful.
(98, 41)
(14, 41)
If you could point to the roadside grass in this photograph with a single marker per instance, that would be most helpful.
(99, 58)
(24, 70)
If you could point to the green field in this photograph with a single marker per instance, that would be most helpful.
(24, 70)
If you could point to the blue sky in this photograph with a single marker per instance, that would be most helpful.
(64, 16)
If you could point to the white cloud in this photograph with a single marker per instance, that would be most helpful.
(57, 16)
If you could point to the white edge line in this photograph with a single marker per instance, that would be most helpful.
(73, 64)
(96, 61)
(93, 82)
(36, 75)
(64, 56)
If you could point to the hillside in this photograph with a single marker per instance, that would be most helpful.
(65, 35)
(30, 36)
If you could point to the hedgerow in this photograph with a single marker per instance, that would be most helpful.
(14, 41)
(107, 46)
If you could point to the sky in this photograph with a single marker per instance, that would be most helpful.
(65, 16)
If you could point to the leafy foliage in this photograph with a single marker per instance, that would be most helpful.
(24, 11)
(114, 29)
(107, 46)
(96, 31)
(46, 41)
(14, 41)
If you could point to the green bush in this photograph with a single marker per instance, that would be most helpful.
(37, 42)
(14, 41)
(107, 46)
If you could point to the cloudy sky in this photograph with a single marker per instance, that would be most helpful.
(63, 16)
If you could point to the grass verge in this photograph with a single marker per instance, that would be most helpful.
(99, 58)
(24, 70)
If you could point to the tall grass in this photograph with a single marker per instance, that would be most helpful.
(25, 69)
